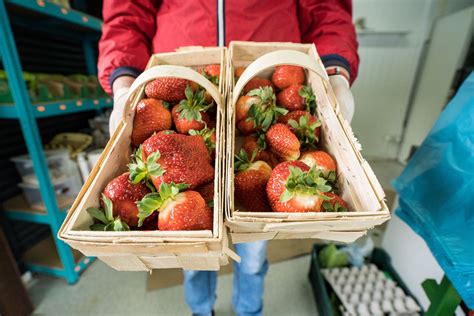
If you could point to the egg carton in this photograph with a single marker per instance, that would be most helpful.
(368, 291)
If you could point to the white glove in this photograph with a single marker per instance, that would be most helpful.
(120, 97)
(344, 96)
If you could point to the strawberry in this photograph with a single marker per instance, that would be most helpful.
(151, 116)
(246, 127)
(261, 114)
(257, 82)
(212, 73)
(334, 204)
(207, 193)
(177, 210)
(167, 89)
(294, 187)
(190, 113)
(283, 142)
(250, 182)
(123, 195)
(183, 125)
(209, 137)
(286, 75)
(172, 158)
(297, 97)
(256, 144)
(304, 125)
(238, 71)
(104, 219)
(243, 105)
(322, 161)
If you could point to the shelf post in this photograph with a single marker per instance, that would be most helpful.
(32, 138)
(89, 56)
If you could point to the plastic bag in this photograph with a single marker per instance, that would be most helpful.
(437, 191)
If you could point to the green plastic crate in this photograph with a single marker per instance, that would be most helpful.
(325, 298)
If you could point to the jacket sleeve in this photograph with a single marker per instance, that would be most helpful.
(127, 34)
(328, 24)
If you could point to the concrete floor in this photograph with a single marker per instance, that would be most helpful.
(104, 291)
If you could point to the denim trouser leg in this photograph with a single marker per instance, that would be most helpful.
(200, 291)
(247, 299)
(249, 278)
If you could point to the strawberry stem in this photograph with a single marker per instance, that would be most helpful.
(154, 201)
(104, 219)
(143, 170)
(309, 182)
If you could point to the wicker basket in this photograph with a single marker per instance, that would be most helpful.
(146, 250)
(359, 186)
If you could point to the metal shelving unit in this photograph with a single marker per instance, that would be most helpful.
(50, 256)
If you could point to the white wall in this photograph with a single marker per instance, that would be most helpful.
(389, 59)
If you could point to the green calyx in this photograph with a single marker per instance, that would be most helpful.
(309, 182)
(265, 112)
(141, 170)
(336, 207)
(261, 143)
(190, 108)
(309, 99)
(104, 218)
(305, 131)
(242, 161)
(155, 200)
(206, 134)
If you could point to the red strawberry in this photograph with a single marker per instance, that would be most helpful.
(207, 192)
(253, 143)
(297, 97)
(286, 75)
(182, 124)
(294, 187)
(304, 125)
(177, 210)
(283, 142)
(151, 116)
(322, 161)
(259, 113)
(246, 127)
(167, 89)
(257, 82)
(243, 105)
(123, 195)
(334, 204)
(172, 158)
(238, 71)
(209, 137)
(250, 182)
(212, 73)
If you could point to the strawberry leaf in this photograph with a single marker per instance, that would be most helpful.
(97, 214)
(286, 196)
(97, 227)
(143, 171)
(108, 207)
(146, 206)
(309, 98)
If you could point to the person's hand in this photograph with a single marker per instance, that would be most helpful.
(120, 89)
(344, 96)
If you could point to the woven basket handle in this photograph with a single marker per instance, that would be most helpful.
(270, 60)
(171, 71)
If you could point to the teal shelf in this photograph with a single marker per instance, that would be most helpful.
(70, 16)
(17, 208)
(48, 109)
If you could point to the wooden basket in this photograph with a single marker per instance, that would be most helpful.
(358, 184)
(146, 250)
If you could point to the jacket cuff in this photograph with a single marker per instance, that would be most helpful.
(123, 71)
(336, 60)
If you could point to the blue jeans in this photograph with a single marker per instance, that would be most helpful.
(249, 275)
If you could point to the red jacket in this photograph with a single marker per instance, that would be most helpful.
(133, 30)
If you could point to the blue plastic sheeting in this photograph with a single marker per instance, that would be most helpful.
(437, 191)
